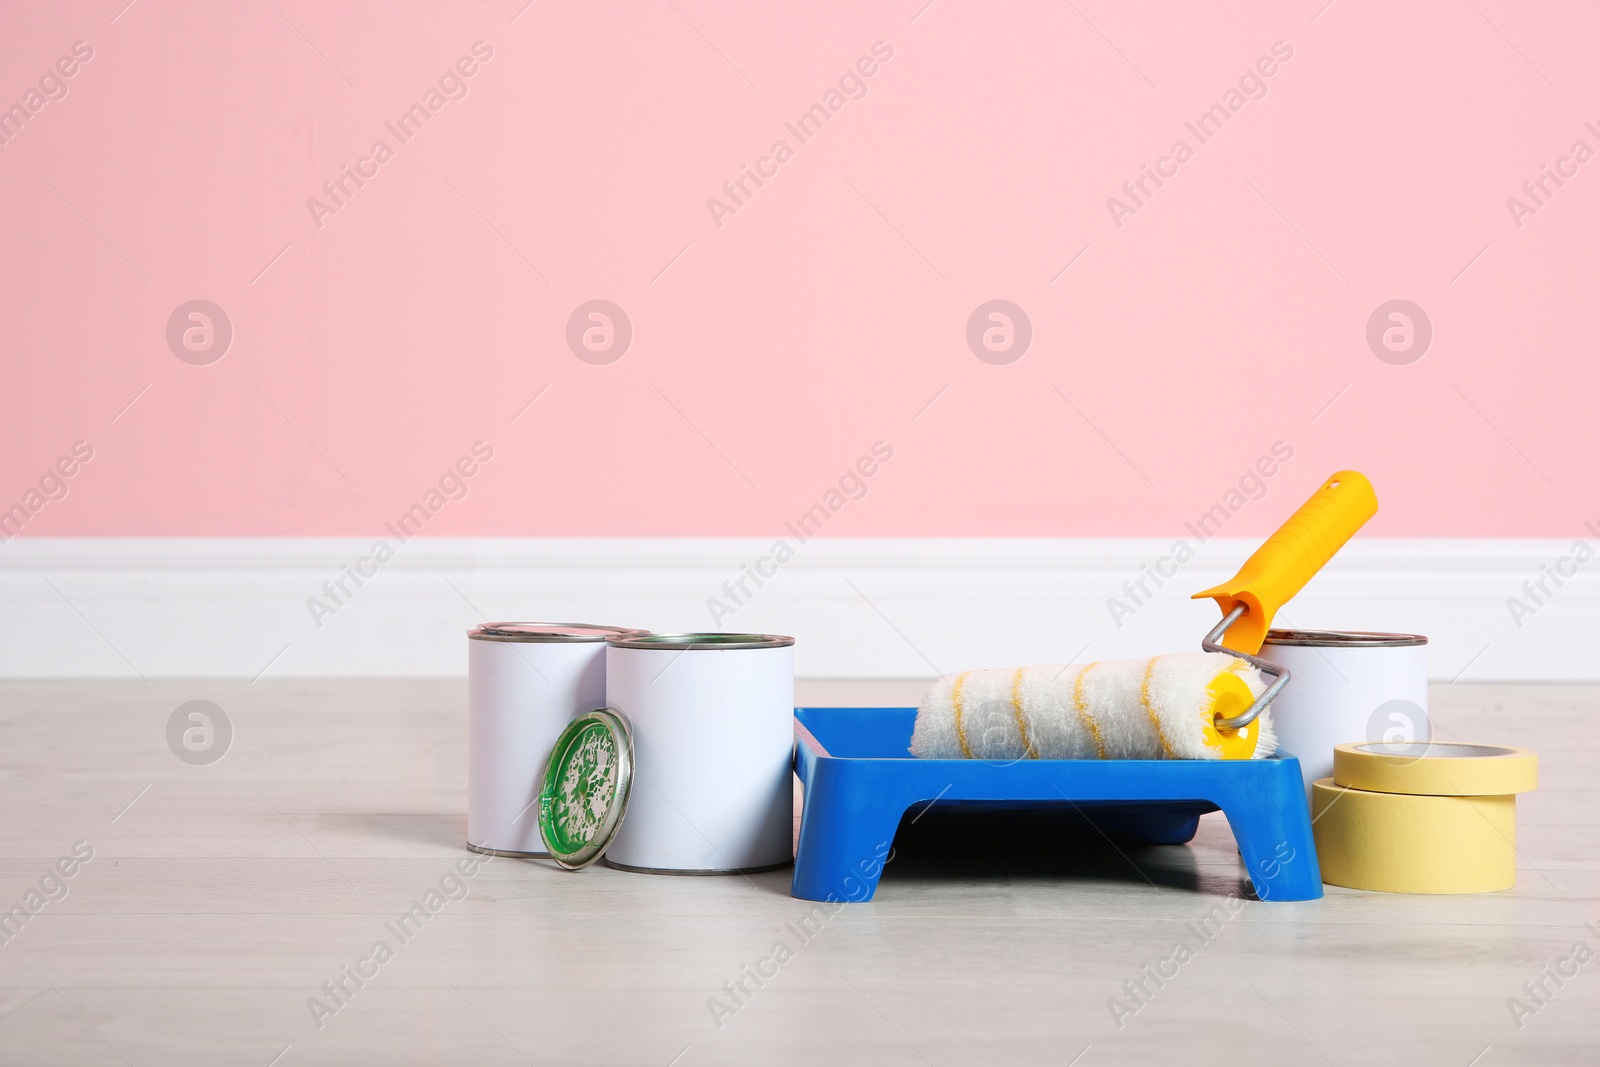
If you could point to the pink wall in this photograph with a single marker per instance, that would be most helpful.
(770, 352)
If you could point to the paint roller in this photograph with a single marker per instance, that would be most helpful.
(1205, 705)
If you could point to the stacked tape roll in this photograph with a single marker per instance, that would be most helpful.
(1421, 817)
(1438, 768)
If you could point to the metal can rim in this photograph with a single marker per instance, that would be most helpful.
(706, 642)
(1342, 639)
(547, 632)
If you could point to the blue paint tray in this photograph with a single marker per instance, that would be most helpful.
(860, 779)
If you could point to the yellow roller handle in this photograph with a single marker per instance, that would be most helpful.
(1286, 562)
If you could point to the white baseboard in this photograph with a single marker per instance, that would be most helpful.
(863, 608)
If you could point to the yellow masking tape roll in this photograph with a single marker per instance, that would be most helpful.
(1439, 769)
(1399, 843)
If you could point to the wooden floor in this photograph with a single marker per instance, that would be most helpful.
(219, 899)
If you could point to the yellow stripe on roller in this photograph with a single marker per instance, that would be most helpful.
(1144, 698)
(955, 702)
(1016, 709)
(1083, 709)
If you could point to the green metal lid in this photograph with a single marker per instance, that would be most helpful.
(586, 786)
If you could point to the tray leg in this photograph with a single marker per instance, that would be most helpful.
(846, 837)
(1273, 831)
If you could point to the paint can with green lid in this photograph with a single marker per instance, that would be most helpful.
(713, 732)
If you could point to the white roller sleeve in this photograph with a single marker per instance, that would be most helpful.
(1117, 709)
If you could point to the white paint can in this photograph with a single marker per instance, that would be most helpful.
(1345, 688)
(525, 682)
(713, 735)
